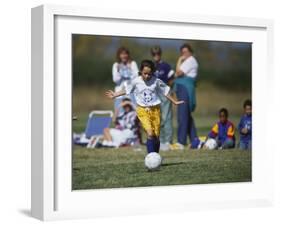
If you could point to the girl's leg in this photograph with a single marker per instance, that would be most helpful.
(157, 144)
(145, 118)
(155, 117)
(106, 134)
(152, 143)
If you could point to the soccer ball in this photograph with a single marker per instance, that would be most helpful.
(152, 161)
(211, 144)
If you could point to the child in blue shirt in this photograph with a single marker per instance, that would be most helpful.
(223, 131)
(245, 127)
(164, 72)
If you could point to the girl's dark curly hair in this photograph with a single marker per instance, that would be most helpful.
(147, 63)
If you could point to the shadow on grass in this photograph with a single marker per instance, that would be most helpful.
(172, 164)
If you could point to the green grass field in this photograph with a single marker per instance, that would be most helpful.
(124, 167)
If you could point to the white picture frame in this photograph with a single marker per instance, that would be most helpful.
(52, 197)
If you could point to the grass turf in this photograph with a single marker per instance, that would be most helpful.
(124, 167)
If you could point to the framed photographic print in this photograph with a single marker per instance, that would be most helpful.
(141, 112)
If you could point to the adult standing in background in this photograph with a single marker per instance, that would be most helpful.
(184, 86)
(165, 73)
(124, 70)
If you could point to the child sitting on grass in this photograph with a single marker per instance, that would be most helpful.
(223, 131)
(147, 89)
(245, 127)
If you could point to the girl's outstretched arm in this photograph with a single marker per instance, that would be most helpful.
(175, 102)
(110, 94)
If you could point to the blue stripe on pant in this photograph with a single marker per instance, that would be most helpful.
(186, 125)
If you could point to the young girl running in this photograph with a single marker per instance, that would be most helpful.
(146, 89)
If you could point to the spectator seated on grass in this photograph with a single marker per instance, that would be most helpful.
(245, 127)
(197, 143)
(223, 131)
(126, 126)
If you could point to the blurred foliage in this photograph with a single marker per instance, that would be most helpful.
(226, 65)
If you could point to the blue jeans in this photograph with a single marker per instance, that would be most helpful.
(245, 145)
(166, 131)
(186, 125)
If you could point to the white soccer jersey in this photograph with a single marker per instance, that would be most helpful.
(147, 92)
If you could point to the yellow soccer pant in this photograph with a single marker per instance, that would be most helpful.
(150, 118)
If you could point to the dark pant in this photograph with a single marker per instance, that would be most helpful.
(186, 125)
(245, 145)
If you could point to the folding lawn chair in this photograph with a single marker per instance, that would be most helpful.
(97, 122)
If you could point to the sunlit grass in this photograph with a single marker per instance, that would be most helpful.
(112, 168)
(123, 167)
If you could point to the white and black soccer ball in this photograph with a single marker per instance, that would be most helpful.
(211, 144)
(152, 161)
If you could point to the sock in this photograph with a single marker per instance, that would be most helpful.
(150, 145)
(156, 144)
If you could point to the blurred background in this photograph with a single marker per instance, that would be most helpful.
(224, 77)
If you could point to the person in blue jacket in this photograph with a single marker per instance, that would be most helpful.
(245, 127)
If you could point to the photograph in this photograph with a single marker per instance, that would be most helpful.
(160, 112)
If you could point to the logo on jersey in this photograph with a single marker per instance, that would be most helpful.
(147, 96)
(159, 73)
